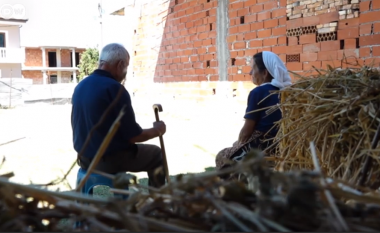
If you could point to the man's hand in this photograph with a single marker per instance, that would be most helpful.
(160, 127)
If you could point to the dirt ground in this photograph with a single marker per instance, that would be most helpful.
(195, 134)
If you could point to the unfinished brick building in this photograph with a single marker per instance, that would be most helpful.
(51, 64)
(201, 47)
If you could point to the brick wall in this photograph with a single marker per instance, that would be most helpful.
(33, 57)
(255, 26)
(369, 31)
(188, 48)
(175, 41)
(33, 74)
(345, 36)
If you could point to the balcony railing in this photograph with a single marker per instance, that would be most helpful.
(12, 55)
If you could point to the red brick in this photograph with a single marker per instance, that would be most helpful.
(342, 54)
(270, 5)
(250, 35)
(234, 30)
(231, 38)
(294, 49)
(270, 42)
(294, 66)
(250, 3)
(376, 28)
(201, 51)
(246, 69)
(308, 39)
(243, 12)
(256, 8)
(250, 18)
(369, 17)
(348, 23)
(202, 36)
(365, 29)
(364, 6)
(376, 51)
(375, 62)
(255, 43)
(261, 1)
(365, 52)
(329, 17)
(327, 55)
(294, 23)
(332, 63)
(210, 71)
(240, 37)
(369, 40)
(240, 62)
(375, 4)
(308, 57)
(283, 57)
(293, 40)
(278, 31)
(207, 42)
(279, 49)
(263, 16)
(257, 26)
(283, 3)
(250, 52)
(330, 45)
(237, 5)
(264, 33)
(350, 43)
(282, 21)
(282, 40)
(352, 63)
(348, 33)
(279, 12)
(199, 71)
(244, 28)
(271, 23)
(239, 45)
(311, 21)
(309, 65)
(232, 13)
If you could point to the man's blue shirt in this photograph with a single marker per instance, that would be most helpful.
(91, 98)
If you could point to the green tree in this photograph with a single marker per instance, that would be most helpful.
(88, 62)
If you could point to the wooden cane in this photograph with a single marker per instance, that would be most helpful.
(158, 108)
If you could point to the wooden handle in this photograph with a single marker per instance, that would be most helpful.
(165, 161)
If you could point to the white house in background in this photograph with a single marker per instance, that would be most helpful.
(12, 55)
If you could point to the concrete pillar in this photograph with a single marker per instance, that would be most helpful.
(44, 76)
(222, 24)
(74, 62)
(59, 75)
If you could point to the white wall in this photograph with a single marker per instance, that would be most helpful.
(7, 69)
(13, 36)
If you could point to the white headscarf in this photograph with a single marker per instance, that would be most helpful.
(277, 69)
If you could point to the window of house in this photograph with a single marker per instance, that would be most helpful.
(52, 56)
(2, 40)
(76, 59)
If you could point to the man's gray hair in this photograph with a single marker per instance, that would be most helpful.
(112, 53)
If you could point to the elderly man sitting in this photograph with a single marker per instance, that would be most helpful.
(92, 96)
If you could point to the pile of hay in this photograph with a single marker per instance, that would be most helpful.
(282, 202)
(338, 110)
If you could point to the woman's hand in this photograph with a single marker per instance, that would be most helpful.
(247, 131)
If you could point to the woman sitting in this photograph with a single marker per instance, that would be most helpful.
(268, 74)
